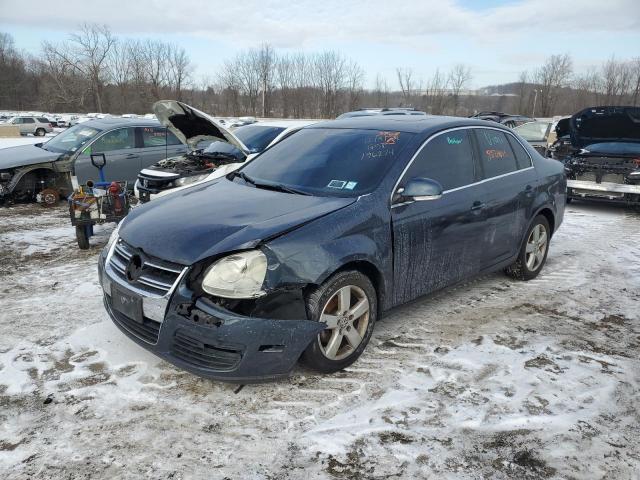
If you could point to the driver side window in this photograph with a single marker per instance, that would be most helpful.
(446, 158)
(120, 139)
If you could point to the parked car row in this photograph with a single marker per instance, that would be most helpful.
(297, 252)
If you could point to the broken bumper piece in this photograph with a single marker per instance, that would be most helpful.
(214, 343)
(615, 192)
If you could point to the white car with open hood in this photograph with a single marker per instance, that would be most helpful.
(214, 151)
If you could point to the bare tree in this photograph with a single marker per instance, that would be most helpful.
(436, 93)
(330, 74)
(459, 77)
(285, 80)
(406, 81)
(551, 78)
(381, 91)
(355, 79)
(178, 69)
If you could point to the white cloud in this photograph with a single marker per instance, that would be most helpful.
(308, 23)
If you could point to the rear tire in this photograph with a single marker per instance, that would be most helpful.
(347, 302)
(533, 254)
(81, 237)
(40, 132)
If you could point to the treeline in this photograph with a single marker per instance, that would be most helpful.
(95, 71)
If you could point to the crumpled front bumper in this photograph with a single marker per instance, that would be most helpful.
(604, 191)
(215, 343)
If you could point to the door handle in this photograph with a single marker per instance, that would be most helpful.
(132, 155)
(477, 206)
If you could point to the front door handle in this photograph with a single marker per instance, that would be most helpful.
(477, 206)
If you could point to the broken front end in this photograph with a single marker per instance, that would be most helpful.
(613, 178)
(185, 170)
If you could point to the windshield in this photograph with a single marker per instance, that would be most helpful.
(533, 131)
(257, 137)
(71, 140)
(330, 162)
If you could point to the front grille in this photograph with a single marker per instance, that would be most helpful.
(156, 184)
(157, 276)
(148, 330)
(587, 177)
(613, 178)
(202, 355)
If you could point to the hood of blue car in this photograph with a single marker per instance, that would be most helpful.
(217, 217)
(24, 155)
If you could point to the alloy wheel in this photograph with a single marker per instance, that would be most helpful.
(346, 315)
(536, 247)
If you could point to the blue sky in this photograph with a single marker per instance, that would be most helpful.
(496, 38)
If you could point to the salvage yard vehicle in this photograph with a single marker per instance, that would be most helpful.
(227, 152)
(298, 253)
(129, 146)
(366, 112)
(32, 125)
(604, 163)
(538, 134)
(507, 119)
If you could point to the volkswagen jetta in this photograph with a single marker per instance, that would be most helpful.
(297, 255)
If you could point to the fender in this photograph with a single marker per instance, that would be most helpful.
(49, 166)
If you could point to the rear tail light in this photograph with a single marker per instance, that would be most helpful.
(637, 162)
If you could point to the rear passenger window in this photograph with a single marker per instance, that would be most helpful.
(447, 158)
(154, 137)
(496, 155)
(28, 120)
(522, 157)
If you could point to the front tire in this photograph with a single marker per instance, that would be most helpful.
(533, 253)
(347, 303)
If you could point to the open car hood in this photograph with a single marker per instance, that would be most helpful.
(192, 126)
(605, 125)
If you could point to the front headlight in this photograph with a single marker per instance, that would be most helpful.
(237, 276)
(180, 182)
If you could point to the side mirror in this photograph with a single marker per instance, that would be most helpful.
(421, 189)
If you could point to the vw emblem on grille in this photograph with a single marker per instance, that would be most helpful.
(134, 268)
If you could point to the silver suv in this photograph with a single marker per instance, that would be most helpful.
(38, 126)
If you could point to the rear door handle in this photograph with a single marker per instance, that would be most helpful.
(132, 155)
(477, 206)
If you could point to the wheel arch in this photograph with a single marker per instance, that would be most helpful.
(371, 271)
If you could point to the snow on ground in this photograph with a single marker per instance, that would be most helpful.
(27, 139)
(490, 379)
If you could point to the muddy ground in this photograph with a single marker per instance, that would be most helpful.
(491, 379)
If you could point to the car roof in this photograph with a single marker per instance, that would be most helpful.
(281, 123)
(111, 122)
(406, 123)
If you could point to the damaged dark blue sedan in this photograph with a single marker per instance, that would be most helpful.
(296, 255)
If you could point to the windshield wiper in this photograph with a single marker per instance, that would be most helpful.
(279, 187)
(244, 176)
